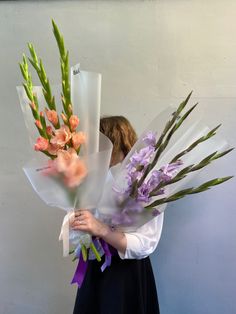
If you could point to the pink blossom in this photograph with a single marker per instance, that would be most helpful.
(74, 122)
(52, 116)
(49, 130)
(78, 139)
(65, 158)
(53, 149)
(41, 144)
(62, 136)
(70, 166)
(75, 173)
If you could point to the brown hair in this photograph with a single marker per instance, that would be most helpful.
(121, 133)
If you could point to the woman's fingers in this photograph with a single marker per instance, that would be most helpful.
(83, 213)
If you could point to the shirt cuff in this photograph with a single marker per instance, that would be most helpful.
(134, 249)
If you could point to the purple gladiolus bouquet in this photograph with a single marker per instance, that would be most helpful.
(157, 166)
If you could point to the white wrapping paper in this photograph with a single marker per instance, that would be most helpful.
(188, 132)
(86, 97)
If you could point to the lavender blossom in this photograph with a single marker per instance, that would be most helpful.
(170, 170)
(147, 187)
(150, 139)
(121, 219)
(141, 158)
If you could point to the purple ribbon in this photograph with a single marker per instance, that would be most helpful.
(82, 265)
(107, 253)
(80, 271)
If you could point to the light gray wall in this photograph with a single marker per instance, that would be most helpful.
(150, 53)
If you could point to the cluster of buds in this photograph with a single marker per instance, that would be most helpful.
(59, 142)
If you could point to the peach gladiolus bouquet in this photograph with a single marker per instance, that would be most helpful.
(61, 143)
(72, 160)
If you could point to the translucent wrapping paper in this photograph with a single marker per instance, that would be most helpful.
(85, 94)
(188, 132)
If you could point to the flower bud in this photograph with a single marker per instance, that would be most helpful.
(41, 144)
(38, 124)
(64, 118)
(49, 130)
(74, 122)
(52, 116)
(33, 106)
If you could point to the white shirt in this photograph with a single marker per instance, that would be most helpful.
(144, 240)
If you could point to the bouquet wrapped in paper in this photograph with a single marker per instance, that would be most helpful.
(170, 152)
(72, 170)
(72, 160)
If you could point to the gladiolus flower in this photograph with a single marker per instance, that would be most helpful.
(41, 144)
(78, 139)
(65, 158)
(38, 124)
(75, 173)
(53, 149)
(62, 136)
(71, 166)
(74, 122)
(49, 130)
(52, 116)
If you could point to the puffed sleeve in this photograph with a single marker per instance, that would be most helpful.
(144, 240)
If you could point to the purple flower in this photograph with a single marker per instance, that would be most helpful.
(143, 193)
(121, 219)
(154, 179)
(170, 170)
(141, 158)
(150, 139)
(132, 206)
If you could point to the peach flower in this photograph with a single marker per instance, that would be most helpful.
(78, 139)
(49, 130)
(53, 149)
(71, 166)
(41, 144)
(62, 136)
(52, 116)
(75, 173)
(74, 122)
(65, 158)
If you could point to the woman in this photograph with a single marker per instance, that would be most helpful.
(128, 285)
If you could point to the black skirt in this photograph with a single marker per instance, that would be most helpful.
(126, 287)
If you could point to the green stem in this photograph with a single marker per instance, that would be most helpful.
(170, 127)
(96, 253)
(180, 194)
(64, 61)
(84, 252)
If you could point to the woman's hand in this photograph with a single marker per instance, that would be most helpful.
(84, 220)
